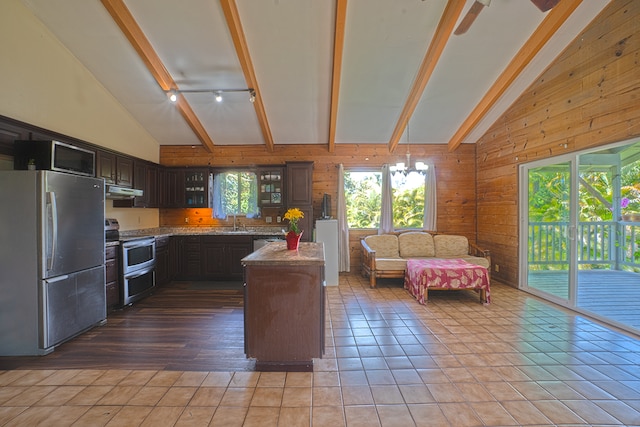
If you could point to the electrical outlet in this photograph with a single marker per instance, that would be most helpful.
(268, 220)
(186, 220)
(496, 267)
(278, 219)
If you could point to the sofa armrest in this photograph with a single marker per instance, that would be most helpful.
(475, 250)
(368, 257)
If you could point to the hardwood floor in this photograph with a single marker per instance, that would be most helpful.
(183, 326)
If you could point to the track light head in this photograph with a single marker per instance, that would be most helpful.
(218, 96)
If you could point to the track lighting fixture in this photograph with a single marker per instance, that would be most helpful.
(173, 93)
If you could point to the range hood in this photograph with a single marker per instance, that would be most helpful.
(116, 192)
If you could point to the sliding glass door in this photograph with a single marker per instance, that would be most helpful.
(580, 232)
(547, 229)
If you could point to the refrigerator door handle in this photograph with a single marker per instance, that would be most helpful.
(54, 227)
(57, 279)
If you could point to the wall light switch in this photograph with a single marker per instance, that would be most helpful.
(268, 220)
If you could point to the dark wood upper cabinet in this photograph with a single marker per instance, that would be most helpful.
(299, 184)
(271, 187)
(172, 188)
(196, 188)
(114, 169)
(300, 194)
(145, 178)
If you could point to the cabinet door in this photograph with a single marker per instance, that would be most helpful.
(124, 171)
(306, 224)
(299, 184)
(152, 186)
(106, 167)
(192, 257)
(112, 286)
(162, 261)
(172, 188)
(140, 183)
(271, 186)
(213, 259)
(196, 188)
(237, 251)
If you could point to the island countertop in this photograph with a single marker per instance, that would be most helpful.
(276, 253)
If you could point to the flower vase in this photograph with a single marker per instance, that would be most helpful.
(293, 240)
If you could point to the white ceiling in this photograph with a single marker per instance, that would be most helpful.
(290, 43)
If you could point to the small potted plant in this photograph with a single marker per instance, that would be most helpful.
(294, 234)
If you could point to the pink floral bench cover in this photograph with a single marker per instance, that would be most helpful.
(440, 273)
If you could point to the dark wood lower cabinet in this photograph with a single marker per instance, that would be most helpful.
(212, 257)
(163, 263)
(112, 276)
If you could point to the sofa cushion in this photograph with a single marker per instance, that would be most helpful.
(398, 264)
(416, 244)
(451, 246)
(385, 245)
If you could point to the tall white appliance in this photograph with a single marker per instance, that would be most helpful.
(52, 247)
(327, 233)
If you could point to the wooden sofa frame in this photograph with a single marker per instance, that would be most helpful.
(368, 266)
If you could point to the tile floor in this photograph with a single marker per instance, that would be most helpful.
(389, 362)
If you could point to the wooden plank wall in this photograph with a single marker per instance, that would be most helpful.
(589, 97)
(455, 178)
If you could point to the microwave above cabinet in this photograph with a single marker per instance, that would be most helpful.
(53, 155)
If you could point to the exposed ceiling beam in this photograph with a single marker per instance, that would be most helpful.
(443, 32)
(242, 50)
(140, 43)
(547, 28)
(338, 47)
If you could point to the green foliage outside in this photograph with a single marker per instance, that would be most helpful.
(408, 207)
(237, 191)
(549, 204)
(363, 194)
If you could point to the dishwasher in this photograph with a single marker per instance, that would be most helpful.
(258, 243)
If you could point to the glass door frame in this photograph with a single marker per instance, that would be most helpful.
(523, 227)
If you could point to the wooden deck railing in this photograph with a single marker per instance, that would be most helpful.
(611, 243)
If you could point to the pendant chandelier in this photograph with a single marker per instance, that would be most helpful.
(402, 168)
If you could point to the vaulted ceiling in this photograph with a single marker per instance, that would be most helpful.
(324, 71)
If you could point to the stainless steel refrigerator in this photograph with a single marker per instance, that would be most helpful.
(52, 283)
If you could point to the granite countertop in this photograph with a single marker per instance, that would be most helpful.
(213, 231)
(276, 253)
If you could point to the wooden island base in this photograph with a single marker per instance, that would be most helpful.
(284, 366)
(284, 306)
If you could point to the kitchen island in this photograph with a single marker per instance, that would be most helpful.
(284, 310)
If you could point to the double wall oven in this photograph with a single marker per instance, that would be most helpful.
(137, 265)
(138, 268)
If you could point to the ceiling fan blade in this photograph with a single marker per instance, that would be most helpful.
(545, 5)
(468, 19)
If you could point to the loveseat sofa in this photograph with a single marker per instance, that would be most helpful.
(386, 255)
